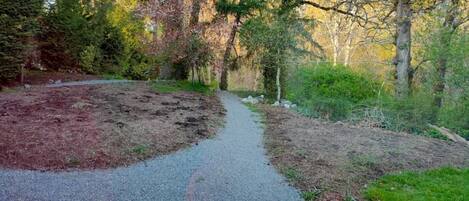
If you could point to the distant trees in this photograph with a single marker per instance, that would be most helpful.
(18, 24)
(453, 18)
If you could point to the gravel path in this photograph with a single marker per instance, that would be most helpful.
(232, 166)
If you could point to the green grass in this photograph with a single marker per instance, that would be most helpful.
(291, 174)
(433, 133)
(310, 195)
(140, 149)
(113, 77)
(178, 86)
(445, 184)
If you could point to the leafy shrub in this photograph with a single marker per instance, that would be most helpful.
(90, 59)
(139, 67)
(455, 117)
(411, 114)
(330, 92)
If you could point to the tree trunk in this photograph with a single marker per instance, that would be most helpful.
(449, 26)
(348, 43)
(277, 82)
(403, 47)
(226, 56)
(194, 14)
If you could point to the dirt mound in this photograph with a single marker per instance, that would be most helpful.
(341, 159)
(104, 126)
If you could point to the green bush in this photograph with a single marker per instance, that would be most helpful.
(330, 92)
(411, 114)
(454, 116)
(138, 66)
(90, 59)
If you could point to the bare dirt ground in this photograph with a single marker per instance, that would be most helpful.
(97, 127)
(341, 159)
(36, 77)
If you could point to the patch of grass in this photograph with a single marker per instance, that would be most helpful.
(291, 174)
(310, 195)
(257, 112)
(113, 77)
(444, 184)
(140, 149)
(178, 86)
(433, 133)
(367, 161)
(252, 107)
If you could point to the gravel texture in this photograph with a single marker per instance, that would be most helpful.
(231, 166)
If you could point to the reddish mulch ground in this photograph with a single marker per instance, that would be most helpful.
(340, 159)
(91, 127)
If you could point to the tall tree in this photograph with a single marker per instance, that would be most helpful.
(403, 47)
(17, 26)
(238, 9)
(452, 20)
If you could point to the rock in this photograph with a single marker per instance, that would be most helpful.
(250, 100)
(27, 86)
(58, 82)
(286, 102)
(51, 81)
(276, 104)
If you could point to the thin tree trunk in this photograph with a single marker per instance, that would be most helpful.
(226, 56)
(194, 13)
(449, 25)
(348, 43)
(277, 82)
(403, 47)
(22, 74)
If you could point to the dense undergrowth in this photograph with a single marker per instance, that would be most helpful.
(342, 94)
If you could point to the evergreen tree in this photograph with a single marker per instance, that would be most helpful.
(18, 22)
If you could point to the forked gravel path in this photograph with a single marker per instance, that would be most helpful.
(231, 166)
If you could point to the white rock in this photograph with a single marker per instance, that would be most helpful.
(27, 86)
(276, 104)
(58, 82)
